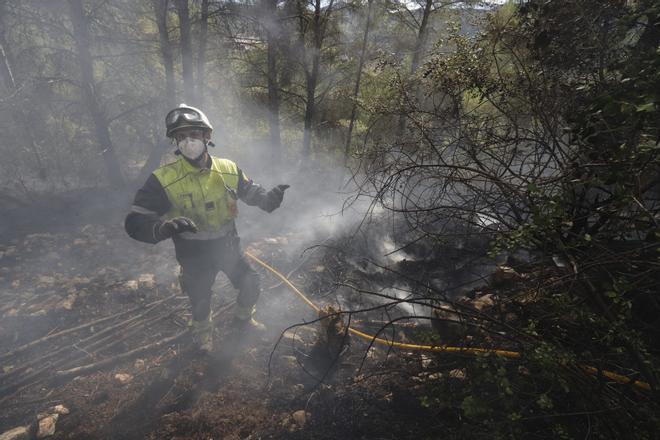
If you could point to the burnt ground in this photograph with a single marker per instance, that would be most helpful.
(258, 386)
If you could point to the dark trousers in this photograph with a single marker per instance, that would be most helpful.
(200, 263)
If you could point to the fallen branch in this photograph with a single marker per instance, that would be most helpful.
(110, 330)
(46, 338)
(85, 369)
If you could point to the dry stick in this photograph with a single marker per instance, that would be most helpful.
(28, 381)
(222, 309)
(84, 369)
(115, 338)
(30, 378)
(127, 333)
(110, 331)
(103, 332)
(36, 342)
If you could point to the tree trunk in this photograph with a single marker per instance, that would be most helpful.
(310, 107)
(420, 42)
(318, 28)
(81, 34)
(186, 52)
(160, 10)
(201, 54)
(153, 161)
(159, 148)
(19, 116)
(5, 65)
(418, 51)
(272, 37)
(5, 61)
(356, 90)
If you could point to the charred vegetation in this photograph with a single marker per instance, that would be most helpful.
(468, 249)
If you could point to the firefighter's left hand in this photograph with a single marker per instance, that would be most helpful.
(274, 198)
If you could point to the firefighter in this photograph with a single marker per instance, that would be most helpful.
(193, 201)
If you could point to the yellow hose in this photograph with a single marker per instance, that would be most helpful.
(441, 348)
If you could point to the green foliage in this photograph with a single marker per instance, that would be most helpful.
(546, 125)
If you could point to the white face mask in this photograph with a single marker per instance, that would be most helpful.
(191, 148)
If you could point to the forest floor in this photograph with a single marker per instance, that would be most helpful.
(261, 386)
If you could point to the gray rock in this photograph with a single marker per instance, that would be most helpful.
(20, 433)
(301, 417)
(47, 426)
(61, 410)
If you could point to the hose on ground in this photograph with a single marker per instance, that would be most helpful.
(442, 348)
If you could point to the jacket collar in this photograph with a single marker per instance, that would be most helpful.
(188, 167)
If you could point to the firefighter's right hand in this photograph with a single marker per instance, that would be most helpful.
(176, 225)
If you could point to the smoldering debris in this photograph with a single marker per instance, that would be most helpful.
(96, 320)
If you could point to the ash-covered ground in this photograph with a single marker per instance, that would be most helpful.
(93, 340)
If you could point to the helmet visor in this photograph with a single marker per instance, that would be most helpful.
(179, 115)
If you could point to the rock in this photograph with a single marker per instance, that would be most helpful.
(527, 297)
(290, 360)
(61, 410)
(293, 337)
(147, 281)
(10, 313)
(425, 377)
(524, 370)
(297, 388)
(458, 374)
(287, 423)
(92, 230)
(16, 284)
(45, 281)
(20, 433)
(47, 426)
(123, 378)
(80, 280)
(79, 242)
(483, 302)
(504, 275)
(68, 302)
(131, 285)
(139, 364)
(301, 417)
(426, 360)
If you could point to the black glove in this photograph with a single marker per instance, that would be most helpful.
(176, 225)
(274, 198)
